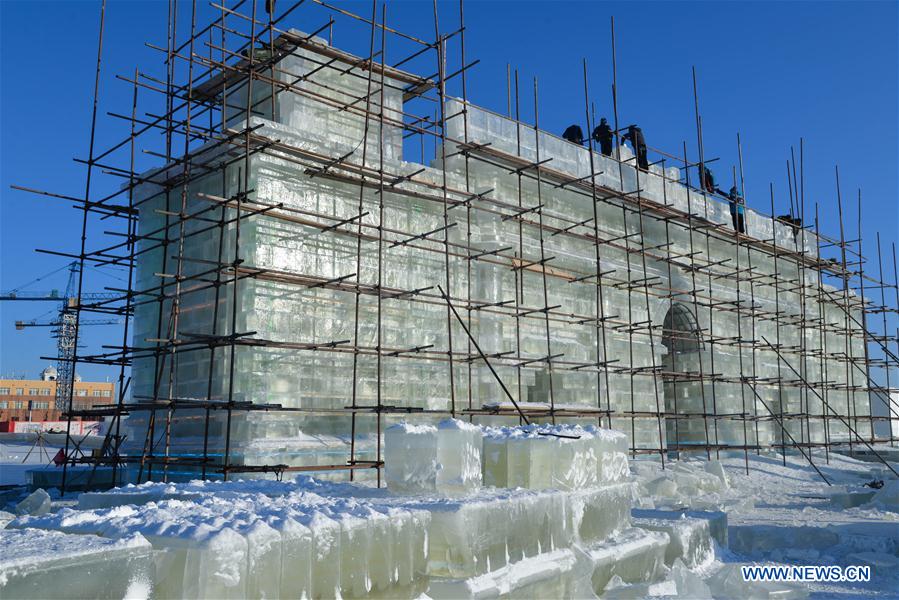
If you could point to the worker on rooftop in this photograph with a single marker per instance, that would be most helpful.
(737, 210)
(574, 134)
(602, 135)
(635, 135)
(708, 180)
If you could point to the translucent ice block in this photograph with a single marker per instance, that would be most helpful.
(36, 503)
(634, 555)
(690, 539)
(326, 537)
(49, 564)
(556, 574)
(296, 558)
(485, 533)
(565, 457)
(410, 458)
(459, 457)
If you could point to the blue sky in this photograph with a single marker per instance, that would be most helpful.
(772, 71)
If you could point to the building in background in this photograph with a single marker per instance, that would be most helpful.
(27, 404)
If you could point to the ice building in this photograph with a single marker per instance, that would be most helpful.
(305, 280)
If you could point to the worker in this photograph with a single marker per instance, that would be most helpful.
(602, 135)
(708, 180)
(574, 134)
(635, 135)
(270, 6)
(737, 210)
(795, 223)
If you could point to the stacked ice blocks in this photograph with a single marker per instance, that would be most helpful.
(51, 564)
(427, 459)
(564, 457)
(495, 528)
(296, 545)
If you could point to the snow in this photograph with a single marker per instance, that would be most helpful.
(681, 530)
(50, 564)
(781, 514)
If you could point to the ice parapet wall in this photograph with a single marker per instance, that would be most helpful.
(457, 457)
(565, 457)
(427, 459)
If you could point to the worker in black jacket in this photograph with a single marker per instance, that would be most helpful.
(602, 135)
(635, 135)
(574, 134)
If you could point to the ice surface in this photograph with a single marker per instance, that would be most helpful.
(687, 583)
(50, 564)
(36, 503)
(5, 517)
(557, 574)
(887, 497)
(728, 582)
(761, 539)
(634, 555)
(690, 539)
(850, 498)
(218, 542)
(881, 563)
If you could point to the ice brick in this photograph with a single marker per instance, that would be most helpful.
(410, 458)
(565, 457)
(425, 459)
(690, 539)
(459, 457)
(50, 564)
(557, 574)
(36, 503)
(487, 532)
(634, 555)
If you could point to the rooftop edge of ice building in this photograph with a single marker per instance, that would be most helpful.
(302, 276)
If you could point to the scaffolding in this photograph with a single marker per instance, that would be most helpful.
(797, 358)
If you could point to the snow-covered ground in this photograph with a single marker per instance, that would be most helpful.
(786, 514)
(781, 512)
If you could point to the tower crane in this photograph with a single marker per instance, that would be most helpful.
(65, 323)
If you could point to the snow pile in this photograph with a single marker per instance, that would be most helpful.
(50, 564)
(427, 459)
(565, 457)
(683, 484)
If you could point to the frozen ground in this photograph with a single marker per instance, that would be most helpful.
(17, 457)
(777, 514)
(784, 513)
